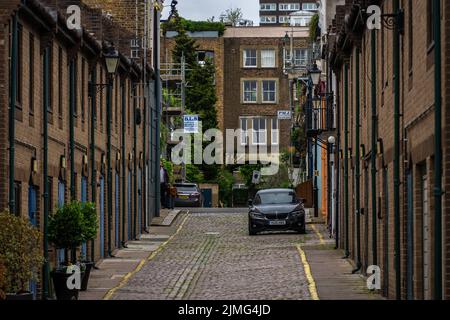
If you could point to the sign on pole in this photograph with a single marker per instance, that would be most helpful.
(256, 178)
(284, 115)
(190, 123)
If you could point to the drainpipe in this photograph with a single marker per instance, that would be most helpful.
(92, 131)
(46, 89)
(358, 167)
(72, 139)
(72, 129)
(438, 192)
(144, 157)
(124, 171)
(12, 113)
(396, 51)
(374, 148)
(108, 158)
(337, 156)
(346, 177)
(135, 161)
(156, 64)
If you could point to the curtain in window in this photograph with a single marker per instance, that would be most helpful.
(268, 58)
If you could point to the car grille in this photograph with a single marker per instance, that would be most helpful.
(278, 216)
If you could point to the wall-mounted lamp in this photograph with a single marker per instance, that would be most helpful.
(130, 156)
(34, 165)
(380, 147)
(362, 150)
(118, 156)
(85, 160)
(103, 159)
(63, 162)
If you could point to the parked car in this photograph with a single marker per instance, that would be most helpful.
(188, 195)
(276, 209)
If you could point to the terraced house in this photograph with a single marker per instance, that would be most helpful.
(393, 134)
(72, 128)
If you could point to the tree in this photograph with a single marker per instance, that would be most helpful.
(232, 16)
(184, 45)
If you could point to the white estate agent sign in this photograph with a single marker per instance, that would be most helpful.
(190, 124)
(284, 115)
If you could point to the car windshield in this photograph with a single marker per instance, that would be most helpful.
(277, 198)
(184, 188)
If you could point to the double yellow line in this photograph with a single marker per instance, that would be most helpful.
(125, 279)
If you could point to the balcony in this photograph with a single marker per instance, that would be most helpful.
(320, 115)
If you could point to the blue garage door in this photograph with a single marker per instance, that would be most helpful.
(102, 217)
(32, 214)
(61, 200)
(84, 188)
(117, 208)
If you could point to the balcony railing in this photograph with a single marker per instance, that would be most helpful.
(320, 115)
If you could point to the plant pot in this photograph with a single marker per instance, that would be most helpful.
(26, 296)
(87, 273)
(60, 284)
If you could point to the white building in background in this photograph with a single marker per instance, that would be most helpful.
(300, 18)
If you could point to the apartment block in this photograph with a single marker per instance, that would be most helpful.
(279, 12)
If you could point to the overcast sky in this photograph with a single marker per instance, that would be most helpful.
(204, 9)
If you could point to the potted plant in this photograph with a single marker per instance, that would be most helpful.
(20, 256)
(90, 228)
(65, 231)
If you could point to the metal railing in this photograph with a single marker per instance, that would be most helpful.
(320, 115)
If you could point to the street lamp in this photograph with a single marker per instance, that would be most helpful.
(315, 74)
(331, 140)
(112, 62)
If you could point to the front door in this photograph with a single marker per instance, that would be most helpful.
(129, 204)
(207, 198)
(139, 202)
(102, 217)
(426, 238)
(84, 188)
(61, 201)
(117, 209)
(32, 214)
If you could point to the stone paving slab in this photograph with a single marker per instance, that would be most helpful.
(166, 219)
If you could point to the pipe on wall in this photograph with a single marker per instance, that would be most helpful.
(92, 144)
(374, 146)
(346, 175)
(12, 112)
(358, 163)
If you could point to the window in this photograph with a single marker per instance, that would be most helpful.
(259, 131)
(301, 21)
(17, 198)
(83, 90)
(244, 132)
(309, 6)
(274, 132)
(60, 80)
(284, 19)
(300, 57)
(20, 64)
(268, 19)
(31, 75)
(250, 58)
(50, 193)
(250, 91)
(269, 91)
(289, 6)
(203, 56)
(135, 49)
(268, 7)
(268, 58)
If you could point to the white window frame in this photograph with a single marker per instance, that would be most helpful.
(259, 136)
(275, 132)
(284, 19)
(301, 62)
(309, 6)
(268, 19)
(269, 91)
(274, 64)
(245, 57)
(251, 91)
(268, 7)
(289, 7)
(244, 132)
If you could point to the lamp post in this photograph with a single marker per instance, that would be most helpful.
(331, 186)
(111, 61)
(314, 75)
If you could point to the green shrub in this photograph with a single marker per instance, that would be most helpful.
(193, 26)
(66, 226)
(20, 253)
(90, 222)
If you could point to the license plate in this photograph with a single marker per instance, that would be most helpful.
(277, 223)
(184, 197)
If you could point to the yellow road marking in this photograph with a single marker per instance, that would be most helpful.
(124, 281)
(322, 241)
(311, 283)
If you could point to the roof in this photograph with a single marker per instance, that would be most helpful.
(265, 32)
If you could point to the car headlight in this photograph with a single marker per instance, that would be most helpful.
(257, 215)
(298, 213)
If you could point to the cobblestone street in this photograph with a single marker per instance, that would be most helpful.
(214, 258)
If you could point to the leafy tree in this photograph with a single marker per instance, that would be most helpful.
(226, 181)
(185, 45)
(193, 174)
(232, 16)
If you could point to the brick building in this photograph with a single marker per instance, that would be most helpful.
(73, 98)
(383, 220)
(254, 72)
(278, 12)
